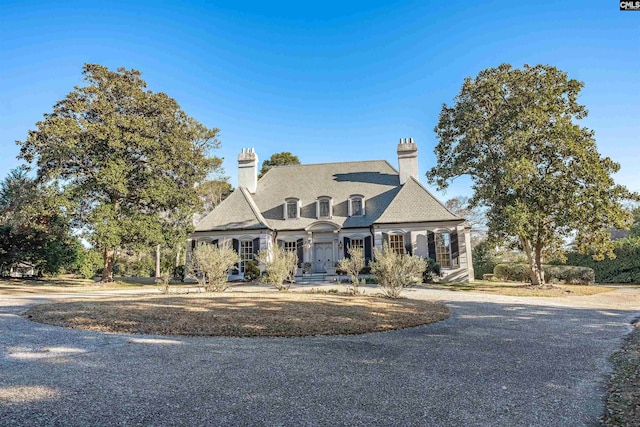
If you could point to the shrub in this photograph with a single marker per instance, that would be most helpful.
(396, 272)
(625, 268)
(251, 271)
(569, 274)
(280, 267)
(211, 265)
(432, 272)
(179, 272)
(89, 263)
(163, 282)
(484, 259)
(352, 267)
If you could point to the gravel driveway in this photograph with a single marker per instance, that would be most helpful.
(497, 361)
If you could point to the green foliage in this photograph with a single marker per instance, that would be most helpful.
(212, 192)
(539, 174)
(352, 266)
(396, 272)
(484, 259)
(280, 267)
(34, 226)
(635, 228)
(278, 159)
(251, 271)
(179, 272)
(127, 158)
(210, 264)
(88, 263)
(624, 268)
(431, 272)
(568, 274)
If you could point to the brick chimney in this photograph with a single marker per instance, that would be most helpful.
(248, 169)
(407, 159)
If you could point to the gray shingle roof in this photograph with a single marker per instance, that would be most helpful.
(236, 212)
(414, 203)
(385, 200)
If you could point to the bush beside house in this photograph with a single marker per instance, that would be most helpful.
(559, 274)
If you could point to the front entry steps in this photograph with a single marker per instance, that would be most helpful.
(315, 278)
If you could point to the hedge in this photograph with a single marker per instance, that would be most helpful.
(625, 268)
(569, 274)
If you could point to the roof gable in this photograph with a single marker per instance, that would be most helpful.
(236, 212)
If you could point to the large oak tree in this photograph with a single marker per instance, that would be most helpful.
(128, 158)
(539, 173)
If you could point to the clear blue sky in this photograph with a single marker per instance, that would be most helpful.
(328, 81)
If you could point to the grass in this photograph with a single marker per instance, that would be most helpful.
(66, 283)
(623, 401)
(263, 314)
(522, 289)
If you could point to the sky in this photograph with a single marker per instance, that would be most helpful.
(328, 81)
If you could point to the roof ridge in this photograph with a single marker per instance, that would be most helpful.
(253, 207)
(332, 163)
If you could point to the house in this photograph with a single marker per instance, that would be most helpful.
(321, 210)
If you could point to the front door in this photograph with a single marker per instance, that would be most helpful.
(322, 256)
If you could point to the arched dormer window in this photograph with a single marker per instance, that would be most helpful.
(291, 208)
(324, 207)
(356, 205)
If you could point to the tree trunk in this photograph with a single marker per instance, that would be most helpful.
(158, 261)
(535, 265)
(107, 271)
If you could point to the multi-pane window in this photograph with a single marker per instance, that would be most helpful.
(290, 246)
(396, 243)
(292, 209)
(357, 244)
(357, 208)
(324, 208)
(443, 249)
(246, 253)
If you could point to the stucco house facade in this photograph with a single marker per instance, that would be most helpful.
(321, 210)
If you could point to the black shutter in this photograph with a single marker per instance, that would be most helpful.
(408, 245)
(300, 251)
(367, 249)
(215, 243)
(431, 240)
(193, 244)
(455, 252)
(256, 246)
(280, 243)
(236, 248)
(346, 244)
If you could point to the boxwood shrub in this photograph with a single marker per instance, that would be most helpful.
(569, 274)
(625, 268)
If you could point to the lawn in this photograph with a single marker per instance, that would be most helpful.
(522, 289)
(264, 314)
(68, 283)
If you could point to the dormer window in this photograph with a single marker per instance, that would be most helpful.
(292, 209)
(356, 205)
(323, 207)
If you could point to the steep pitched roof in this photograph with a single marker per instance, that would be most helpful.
(386, 201)
(236, 212)
(376, 180)
(414, 203)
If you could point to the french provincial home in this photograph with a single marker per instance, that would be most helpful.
(319, 211)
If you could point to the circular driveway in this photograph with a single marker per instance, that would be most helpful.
(497, 361)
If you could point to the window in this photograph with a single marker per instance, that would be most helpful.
(291, 208)
(290, 246)
(357, 244)
(356, 206)
(246, 253)
(396, 243)
(324, 208)
(443, 249)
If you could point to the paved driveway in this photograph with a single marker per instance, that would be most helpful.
(497, 361)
